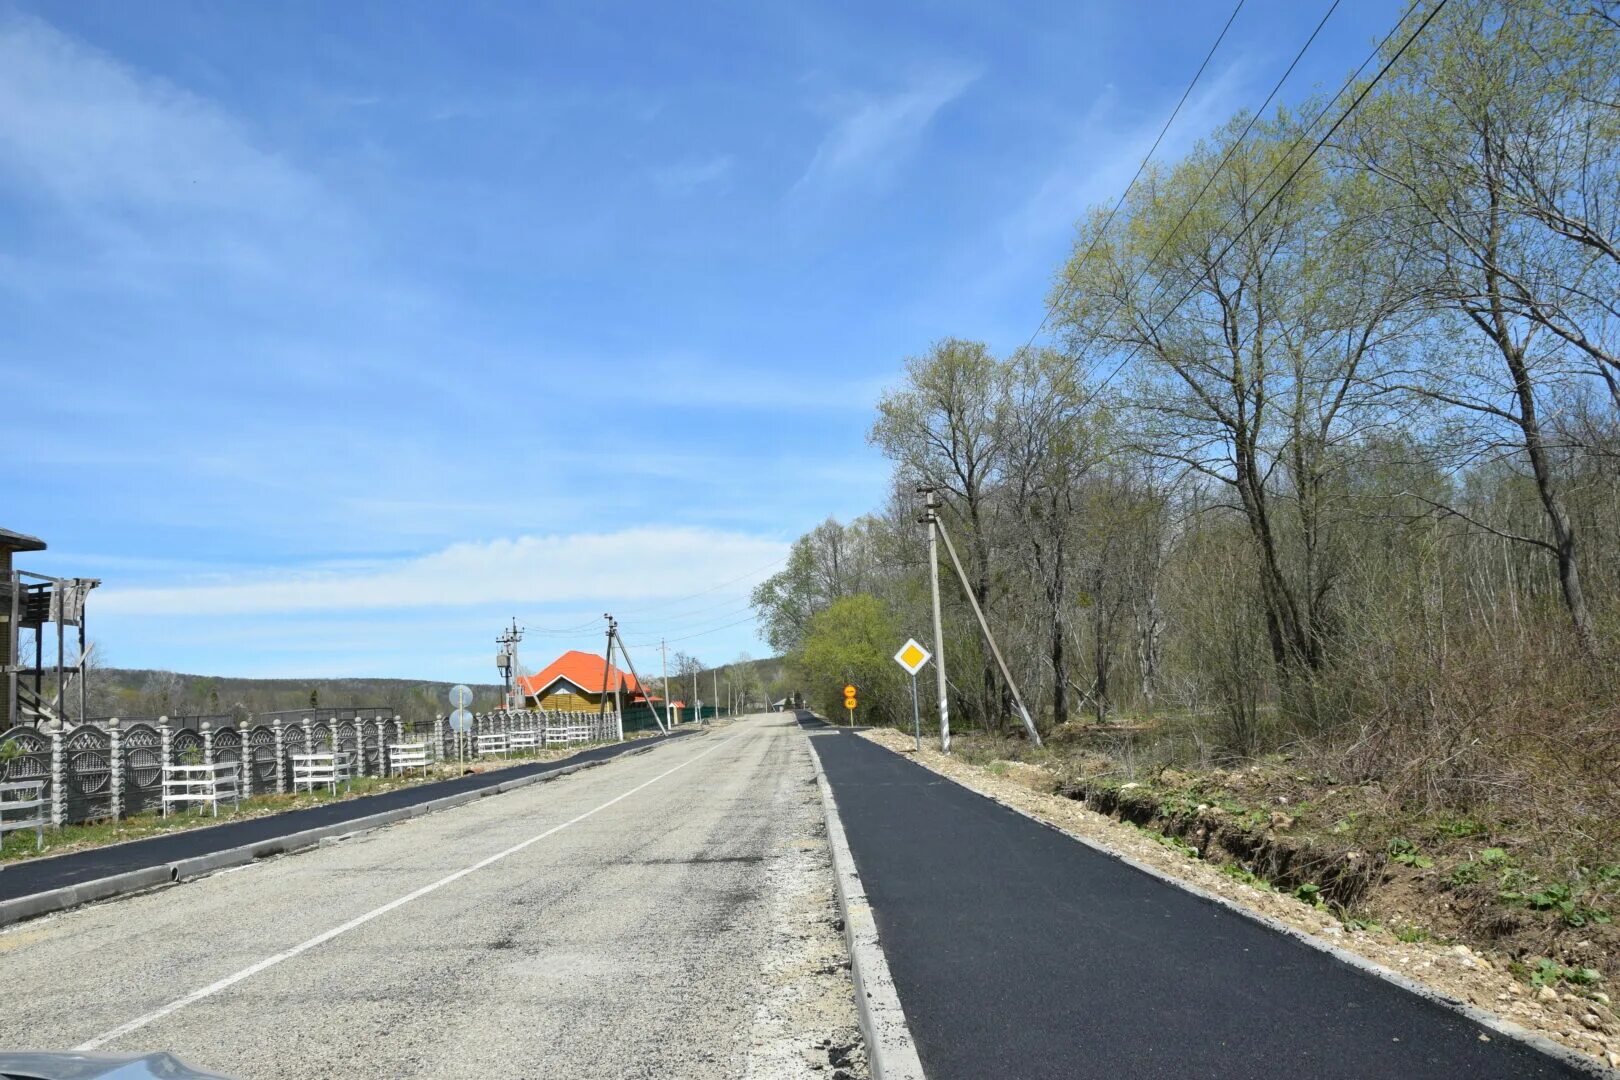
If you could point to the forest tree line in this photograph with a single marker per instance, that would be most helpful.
(1323, 447)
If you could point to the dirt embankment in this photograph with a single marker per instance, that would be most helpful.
(1439, 913)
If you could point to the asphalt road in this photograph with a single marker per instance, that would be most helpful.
(1018, 952)
(669, 914)
(58, 871)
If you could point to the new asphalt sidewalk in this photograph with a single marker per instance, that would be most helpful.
(1019, 952)
(34, 876)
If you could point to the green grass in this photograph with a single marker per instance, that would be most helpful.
(1246, 876)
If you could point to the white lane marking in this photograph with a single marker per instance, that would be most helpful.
(360, 920)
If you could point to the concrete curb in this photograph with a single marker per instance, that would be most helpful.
(150, 877)
(890, 1049)
(1583, 1062)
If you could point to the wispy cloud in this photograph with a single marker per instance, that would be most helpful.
(145, 173)
(1092, 161)
(873, 132)
(694, 173)
(1105, 148)
(757, 383)
(597, 567)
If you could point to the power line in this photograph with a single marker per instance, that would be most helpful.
(559, 631)
(730, 601)
(704, 633)
(1135, 349)
(1057, 301)
(710, 589)
(678, 626)
(1254, 118)
(591, 624)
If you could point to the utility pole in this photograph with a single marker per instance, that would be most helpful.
(646, 692)
(990, 639)
(663, 654)
(716, 674)
(931, 519)
(506, 659)
(607, 666)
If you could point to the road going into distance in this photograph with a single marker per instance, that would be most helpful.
(670, 914)
(673, 914)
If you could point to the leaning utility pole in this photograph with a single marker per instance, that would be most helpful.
(647, 692)
(984, 625)
(931, 519)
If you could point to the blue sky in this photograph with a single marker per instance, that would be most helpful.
(339, 333)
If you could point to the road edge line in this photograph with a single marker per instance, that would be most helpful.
(117, 886)
(1583, 1062)
(891, 1052)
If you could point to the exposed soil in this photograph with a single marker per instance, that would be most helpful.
(1432, 911)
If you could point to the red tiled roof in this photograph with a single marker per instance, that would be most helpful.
(584, 670)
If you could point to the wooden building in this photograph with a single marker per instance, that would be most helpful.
(44, 607)
(574, 681)
(10, 544)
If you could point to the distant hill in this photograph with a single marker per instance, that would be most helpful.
(141, 692)
(133, 692)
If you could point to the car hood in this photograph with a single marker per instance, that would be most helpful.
(73, 1066)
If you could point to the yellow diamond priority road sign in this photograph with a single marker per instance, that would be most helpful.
(912, 656)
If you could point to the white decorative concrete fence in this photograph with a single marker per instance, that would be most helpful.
(524, 729)
(113, 768)
(116, 767)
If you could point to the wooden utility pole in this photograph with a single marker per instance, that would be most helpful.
(607, 666)
(663, 653)
(989, 638)
(663, 725)
(931, 519)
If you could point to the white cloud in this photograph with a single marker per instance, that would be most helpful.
(875, 131)
(638, 563)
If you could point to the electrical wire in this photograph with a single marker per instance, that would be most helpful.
(688, 637)
(1135, 349)
(1232, 149)
(704, 592)
(1057, 301)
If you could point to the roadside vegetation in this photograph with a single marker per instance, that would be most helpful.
(1302, 538)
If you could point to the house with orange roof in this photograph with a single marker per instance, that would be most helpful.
(573, 682)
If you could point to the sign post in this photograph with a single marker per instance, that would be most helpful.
(849, 701)
(912, 657)
(460, 719)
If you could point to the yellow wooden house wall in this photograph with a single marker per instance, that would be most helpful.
(565, 701)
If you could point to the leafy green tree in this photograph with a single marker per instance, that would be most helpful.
(1498, 147)
(853, 641)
